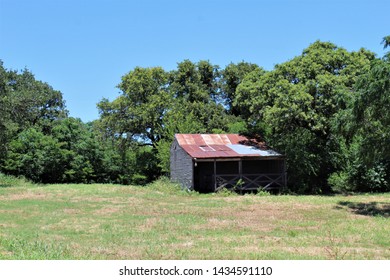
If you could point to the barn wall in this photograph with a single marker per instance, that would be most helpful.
(181, 166)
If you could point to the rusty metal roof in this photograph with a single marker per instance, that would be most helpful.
(206, 146)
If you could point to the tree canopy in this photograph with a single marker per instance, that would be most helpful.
(326, 109)
(295, 103)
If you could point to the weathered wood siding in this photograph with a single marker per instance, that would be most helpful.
(181, 166)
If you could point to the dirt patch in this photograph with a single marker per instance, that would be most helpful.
(262, 216)
(215, 223)
(187, 244)
(117, 254)
(109, 210)
(5, 253)
(25, 195)
(71, 211)
(13, 211)
(113, 200)
(7, 226)
(148, 225)
(255, 217)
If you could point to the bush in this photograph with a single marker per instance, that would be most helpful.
(226, 192)
(339, 181)
(263, 193)
(164, 185)
(11, 181)
(375, 179)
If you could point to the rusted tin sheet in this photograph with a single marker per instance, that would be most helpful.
(205, 146)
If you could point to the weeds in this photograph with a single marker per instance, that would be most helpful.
(21, 249)
(225, 192)
(333, 250)
(165, 186)
(263, 193)
(7, 181)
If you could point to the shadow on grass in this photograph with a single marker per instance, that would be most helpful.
(367, 209)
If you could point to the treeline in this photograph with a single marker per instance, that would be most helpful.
(327, 110)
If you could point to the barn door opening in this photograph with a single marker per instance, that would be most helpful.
(214, 175)
(227, 175)
(203, 177)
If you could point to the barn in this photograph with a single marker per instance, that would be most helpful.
(209, 162)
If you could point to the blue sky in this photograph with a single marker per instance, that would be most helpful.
(83, 48)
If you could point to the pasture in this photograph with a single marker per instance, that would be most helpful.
(161, 222)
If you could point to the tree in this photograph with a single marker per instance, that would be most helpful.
(232, 76)
(245, 92)
(196, 91)
(138, 112)
(81, 150)
(386, 41)
(30, 102)
(25, 103)
(294, 105)
(36, 156)
(371, 125)
(195, 82)
(154, 105)
(135, 119)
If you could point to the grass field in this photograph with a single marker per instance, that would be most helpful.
(159, 222)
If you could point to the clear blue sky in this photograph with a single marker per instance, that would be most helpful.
(83, 48)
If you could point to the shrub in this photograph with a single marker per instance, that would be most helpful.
(164, 185)
(339, 181)
(11, 181)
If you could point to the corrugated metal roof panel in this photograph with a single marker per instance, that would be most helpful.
(225, 139)
(251, 150)
(222, 146)
(189, 140)
(235, 138)
(198, 139)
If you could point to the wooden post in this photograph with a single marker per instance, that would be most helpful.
(284, 174)
(240, 168)
(240, 173)
(215, 174)
(193, 174)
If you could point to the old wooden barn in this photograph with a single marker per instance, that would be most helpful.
(209, 162)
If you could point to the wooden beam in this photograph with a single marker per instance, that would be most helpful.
(240, 168)
(263, 158)
(215, 175)
(215, 159)
(252, 181)
(284, 175)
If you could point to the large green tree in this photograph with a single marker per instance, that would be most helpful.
(26, 102)
(195, 82)
(135, 119)
(294, 105)
(68, 154)
(137, 113)
(36, 156)
(232, 76)
(371, 124)
(155, 104)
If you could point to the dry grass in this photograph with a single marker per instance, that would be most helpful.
(117, 222)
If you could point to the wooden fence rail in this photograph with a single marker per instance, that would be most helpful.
(250, 181)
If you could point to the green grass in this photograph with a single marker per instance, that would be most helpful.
(161, 222)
